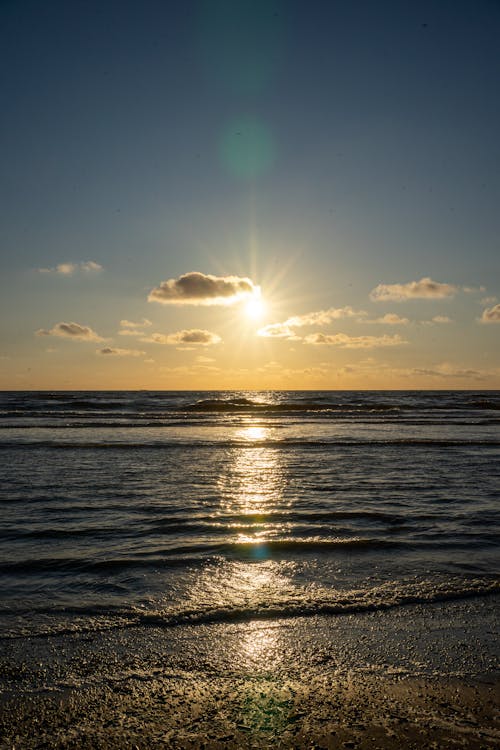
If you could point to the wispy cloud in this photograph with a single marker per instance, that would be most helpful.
(426, 288)
(318, 317)
(68, 269)
(491, 315)
(121, 352)
(323, 317)
(130, 328)
(441, 319)
(197, 288)
(353, 342)
(474, 289)
(73, 331)
(441, 371)
(390, 319)
(448, 371)
(278, 331)
(191, 337)
(145, 323)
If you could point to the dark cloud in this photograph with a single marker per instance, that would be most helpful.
(197, 288)
(71, 331)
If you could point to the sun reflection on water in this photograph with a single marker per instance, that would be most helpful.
(244, 583)
(252, 433)
(252, 484)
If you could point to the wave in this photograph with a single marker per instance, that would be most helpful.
(57, 621)
(66, 444)
(357, 602)
(245, 404)
(189, 553)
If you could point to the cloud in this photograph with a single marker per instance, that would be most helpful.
(121, 352)
(489, 300)
(491, 315)
(90, 265)
(68, 269)
(130, 324)
(441, 319)
(426, 288)
(390, 319)
(353, 342)
(319, 317)
(71, 331)
(197, 288)
(369, 367)
(473, 289)
(278, 331)
(448, 371)
(191, 337)
(436, 320)
(323, 317)
(129, 328)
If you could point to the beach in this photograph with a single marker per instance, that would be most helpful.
(421, 678)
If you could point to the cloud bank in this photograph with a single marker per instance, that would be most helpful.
(426, 288)
(68, 269)
(197, 288)
(191, 337)
(73, 331)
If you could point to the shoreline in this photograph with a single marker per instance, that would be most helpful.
(424, 677)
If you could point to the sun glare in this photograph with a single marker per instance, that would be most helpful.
(254, 308)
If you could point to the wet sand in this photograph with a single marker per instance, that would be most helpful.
(420, 678)
(189, 711)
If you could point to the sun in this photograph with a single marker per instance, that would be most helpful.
(255, 308)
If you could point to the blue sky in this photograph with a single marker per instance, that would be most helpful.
(317, 149)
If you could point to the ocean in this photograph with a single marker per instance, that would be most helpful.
(125, 509)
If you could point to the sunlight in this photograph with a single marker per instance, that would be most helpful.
(252, 433)
(255, 308)
(251, 483)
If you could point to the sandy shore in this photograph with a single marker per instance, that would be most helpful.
(301, 683)
(189, 711)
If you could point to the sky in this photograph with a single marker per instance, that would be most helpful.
(253, 195)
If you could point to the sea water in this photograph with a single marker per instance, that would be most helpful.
(129, 508)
